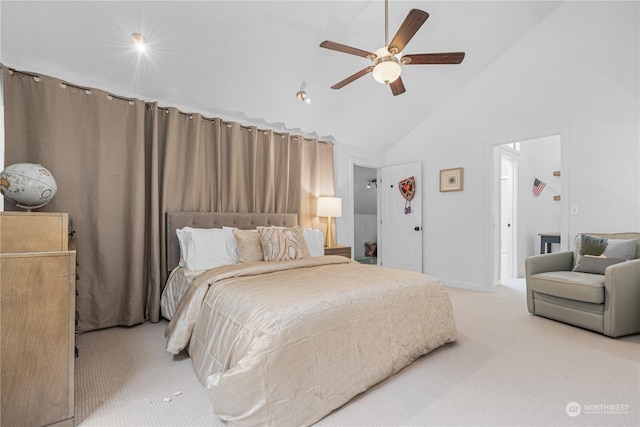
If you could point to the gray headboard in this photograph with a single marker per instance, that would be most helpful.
(245, 221)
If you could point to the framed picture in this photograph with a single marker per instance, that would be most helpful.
(452, 179)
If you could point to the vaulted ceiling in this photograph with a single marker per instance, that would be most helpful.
(246, 60)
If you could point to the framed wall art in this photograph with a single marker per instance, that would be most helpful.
(452, 179)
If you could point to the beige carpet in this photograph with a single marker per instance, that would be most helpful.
(508, 368)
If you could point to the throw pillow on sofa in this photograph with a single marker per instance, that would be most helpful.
(619, 248)
(598, 253)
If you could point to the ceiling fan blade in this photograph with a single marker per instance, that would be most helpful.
(344, 48)
(352, 77)
(408, 29)
(397, 87)
(433, 58)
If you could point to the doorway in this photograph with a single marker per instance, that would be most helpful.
(521, 215)
(365, 214)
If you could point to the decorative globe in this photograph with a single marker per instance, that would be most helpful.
(27, 185)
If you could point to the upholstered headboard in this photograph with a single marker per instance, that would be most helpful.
(245, 221)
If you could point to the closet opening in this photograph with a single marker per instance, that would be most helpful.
(365, 214)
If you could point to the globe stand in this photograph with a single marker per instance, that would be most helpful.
(30, 208)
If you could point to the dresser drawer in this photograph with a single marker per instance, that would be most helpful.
(34, 232)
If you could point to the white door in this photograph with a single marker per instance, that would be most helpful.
(507, 217)
(400, 221)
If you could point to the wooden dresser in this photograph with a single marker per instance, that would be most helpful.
(37, 314)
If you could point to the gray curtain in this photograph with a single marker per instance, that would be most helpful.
(121, 164)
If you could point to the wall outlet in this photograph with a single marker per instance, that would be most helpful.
(574, 210)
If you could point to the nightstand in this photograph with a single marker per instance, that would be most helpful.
(338, 250)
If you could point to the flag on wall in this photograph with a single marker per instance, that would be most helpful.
(538, 186)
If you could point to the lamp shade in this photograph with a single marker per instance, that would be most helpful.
(330, 206)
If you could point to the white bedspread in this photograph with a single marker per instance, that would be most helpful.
(285, 343)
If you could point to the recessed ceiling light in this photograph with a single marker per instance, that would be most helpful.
(139, 41)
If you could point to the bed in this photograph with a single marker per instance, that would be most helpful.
(285, 343)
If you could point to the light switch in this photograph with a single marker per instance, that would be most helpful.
(574, 210)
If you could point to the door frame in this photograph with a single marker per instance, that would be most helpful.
(492, 203)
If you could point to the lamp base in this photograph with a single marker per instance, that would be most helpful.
(329, 237)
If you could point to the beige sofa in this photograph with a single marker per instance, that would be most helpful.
(608, 303)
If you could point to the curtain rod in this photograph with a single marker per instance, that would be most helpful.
(65, 84)
(148, 104)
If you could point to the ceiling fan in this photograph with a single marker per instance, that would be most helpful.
(387, 61)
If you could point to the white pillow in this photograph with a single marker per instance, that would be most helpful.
(315, 241)
(205, 248)
(183, 239)
(233, 251)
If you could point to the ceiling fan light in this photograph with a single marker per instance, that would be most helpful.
(386, 71)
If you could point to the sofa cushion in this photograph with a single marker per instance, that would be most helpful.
(570, 284)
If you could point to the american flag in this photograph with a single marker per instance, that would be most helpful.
(538, 186)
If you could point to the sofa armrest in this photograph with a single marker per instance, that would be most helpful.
(622, 298)
(557, 261)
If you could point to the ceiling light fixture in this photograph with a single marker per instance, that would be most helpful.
(388, 60)
(303, 97)
(387, 67)
(139, 41)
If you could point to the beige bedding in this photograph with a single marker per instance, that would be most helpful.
(285, 343)
(177, 284)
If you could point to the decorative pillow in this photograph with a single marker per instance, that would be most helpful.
(619, 248)
(592, 245)
(281, 244)
(205, 248)
(315, 241)
(249, 247)
(594, 264)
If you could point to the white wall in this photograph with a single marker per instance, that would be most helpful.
(575, 73)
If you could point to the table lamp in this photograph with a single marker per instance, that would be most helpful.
(329, 207)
